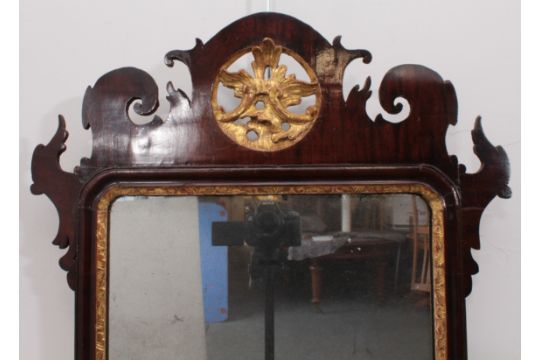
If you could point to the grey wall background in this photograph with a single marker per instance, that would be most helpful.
(66, 45)
(155, 290)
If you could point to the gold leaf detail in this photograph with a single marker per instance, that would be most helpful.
(275, 126)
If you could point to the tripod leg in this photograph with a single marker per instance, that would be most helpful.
(269, 313)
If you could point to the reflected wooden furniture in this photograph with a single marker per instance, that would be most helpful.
(421, 260)
(363, 246)
(373, 243)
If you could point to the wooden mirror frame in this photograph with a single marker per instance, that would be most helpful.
(341, 147)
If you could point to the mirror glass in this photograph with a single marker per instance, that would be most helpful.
(261, 277)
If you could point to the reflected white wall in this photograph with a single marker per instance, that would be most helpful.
(155, 292)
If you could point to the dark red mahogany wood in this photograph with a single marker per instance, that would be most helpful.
(344, 145)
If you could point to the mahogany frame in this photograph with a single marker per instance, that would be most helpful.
(344, 146)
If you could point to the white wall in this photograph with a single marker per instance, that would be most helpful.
(66, 45)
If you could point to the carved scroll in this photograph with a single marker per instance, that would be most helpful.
(62, 189)
(478, 190)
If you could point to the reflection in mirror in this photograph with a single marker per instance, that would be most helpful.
(263, 277)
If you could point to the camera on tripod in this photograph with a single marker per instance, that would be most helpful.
(269, 228)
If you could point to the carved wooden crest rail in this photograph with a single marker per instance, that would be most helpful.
(332, 140)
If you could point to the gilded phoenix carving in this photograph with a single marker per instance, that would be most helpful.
(265, 99)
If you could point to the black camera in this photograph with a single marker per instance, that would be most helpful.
(267, 229)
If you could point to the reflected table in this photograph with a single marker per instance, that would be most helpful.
(380, 246)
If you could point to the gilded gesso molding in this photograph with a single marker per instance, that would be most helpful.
(102, 230)
(435, 202)
(438, 270)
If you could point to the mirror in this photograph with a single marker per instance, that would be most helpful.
(173, 254)
(336, 276)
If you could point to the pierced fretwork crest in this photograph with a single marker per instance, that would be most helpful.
(341, 133)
